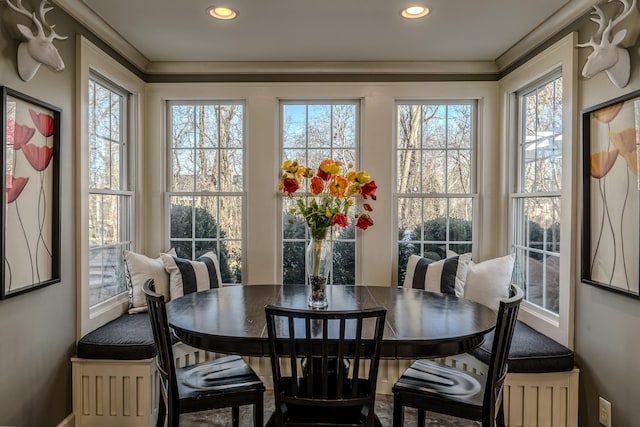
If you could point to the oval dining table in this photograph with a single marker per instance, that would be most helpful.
(231, 319)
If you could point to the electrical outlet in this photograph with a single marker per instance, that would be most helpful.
(604, 412)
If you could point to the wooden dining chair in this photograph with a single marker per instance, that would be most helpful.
(325, 393)
(431, 386)
(221, 383)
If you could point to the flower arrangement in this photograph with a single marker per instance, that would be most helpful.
(329, 195)
(334, 188)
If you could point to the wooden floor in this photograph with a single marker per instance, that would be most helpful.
(384, 405)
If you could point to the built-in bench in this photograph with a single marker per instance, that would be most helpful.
(115, 380)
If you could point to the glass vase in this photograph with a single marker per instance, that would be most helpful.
(318, 263)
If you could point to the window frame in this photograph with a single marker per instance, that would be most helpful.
(170, 192)
(92, 60)
(125, 194)
(561, 56)
(473, 193)
(308, 101)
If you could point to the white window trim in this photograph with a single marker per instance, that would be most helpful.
(91, 58)
(561, 54)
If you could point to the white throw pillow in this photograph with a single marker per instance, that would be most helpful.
(446, 275)
(186, 276)
(140, 268)
(488, 282)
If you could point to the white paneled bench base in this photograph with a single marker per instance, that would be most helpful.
(114, 377)
(123, 392)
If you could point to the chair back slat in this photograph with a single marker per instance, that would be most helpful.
(503, 334)
(325, 339)
(162, 339)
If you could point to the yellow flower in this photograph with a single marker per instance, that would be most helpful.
(352, 189)
(328, 213)
(362, 177)
(330, 166)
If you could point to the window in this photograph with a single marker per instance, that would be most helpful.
(108, 116)
(434, 179)
(541, 147)
(536, 202)
(206, 182)
(110, 198)
(311, 132)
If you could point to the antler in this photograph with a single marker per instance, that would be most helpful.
(626, 11)
(42, 12)
(18, 7)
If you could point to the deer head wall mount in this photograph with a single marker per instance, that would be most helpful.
(37, 47)
(610, 53)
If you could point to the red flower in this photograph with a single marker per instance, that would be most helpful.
(364, 222)
(367, 207)
(316, 186)
(21, 135)
(369, 190)
(290, 185)
(38, 157)
(43, 122)
(339, 219)
(325, 176)
(13, 187)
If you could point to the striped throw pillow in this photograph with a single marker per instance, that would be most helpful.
(446, 276)
(187, 276)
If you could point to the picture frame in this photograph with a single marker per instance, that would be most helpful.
(30, 214)
(611, 195)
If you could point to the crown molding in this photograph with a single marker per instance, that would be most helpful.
(79, 11)
(567, 14)
(570, 12)
(329, 67)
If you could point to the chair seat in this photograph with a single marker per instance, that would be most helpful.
(226, 375)
(435, 379)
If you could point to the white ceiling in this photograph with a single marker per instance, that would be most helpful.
(326, 30)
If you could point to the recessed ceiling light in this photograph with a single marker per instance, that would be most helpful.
(221, 12)
(413, 12)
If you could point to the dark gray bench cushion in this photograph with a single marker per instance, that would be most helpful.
(531, 352)
(129, 337)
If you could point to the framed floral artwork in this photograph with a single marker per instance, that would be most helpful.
(611, 195)
(30, 213)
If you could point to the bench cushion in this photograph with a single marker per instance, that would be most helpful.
(531, 352)
(129, 337)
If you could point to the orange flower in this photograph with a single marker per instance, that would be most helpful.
(606, 114)
(602, 162)
(338, 186)
(316, 186)
(632, 160)
(624, 141)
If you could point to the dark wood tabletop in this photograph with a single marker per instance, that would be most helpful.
(231, 319)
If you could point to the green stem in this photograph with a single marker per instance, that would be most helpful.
(318, 236)
(317, 251)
